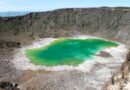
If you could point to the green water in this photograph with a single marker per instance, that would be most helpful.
(68, 51)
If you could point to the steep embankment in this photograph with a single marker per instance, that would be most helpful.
(110, 23)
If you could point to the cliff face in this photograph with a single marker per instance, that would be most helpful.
(110, 23)
(121, 79)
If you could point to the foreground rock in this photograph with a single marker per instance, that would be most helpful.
(121, 79)
(8, 86)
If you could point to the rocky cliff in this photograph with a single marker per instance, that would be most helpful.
(121, 79)
(110, 23)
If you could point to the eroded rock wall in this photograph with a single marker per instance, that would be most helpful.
(110, 23)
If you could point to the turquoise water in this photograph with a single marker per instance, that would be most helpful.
(68, 51)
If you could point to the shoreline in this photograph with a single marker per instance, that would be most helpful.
(24, 63)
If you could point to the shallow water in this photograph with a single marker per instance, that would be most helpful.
(68, 51)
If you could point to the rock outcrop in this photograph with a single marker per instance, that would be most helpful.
(121, 79)
(8, 86)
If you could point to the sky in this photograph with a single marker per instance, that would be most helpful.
(45, 5)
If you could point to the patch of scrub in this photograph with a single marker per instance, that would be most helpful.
(68, 51)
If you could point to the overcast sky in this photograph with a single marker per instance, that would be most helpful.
(45, 5)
